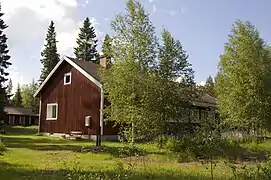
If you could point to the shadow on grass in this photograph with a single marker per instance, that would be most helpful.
(238, 153)
(22, 130)
(15, 172)
(233, 152)
(57, 144)
(63, 145)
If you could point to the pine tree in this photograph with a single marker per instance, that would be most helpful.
(50, 57)
(17, 98)
(209, 86)
(4, 64)
(174, 97)
(86, 43)
(242, 85)
(173, 61)
(107, 49)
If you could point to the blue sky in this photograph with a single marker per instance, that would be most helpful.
(202, 26)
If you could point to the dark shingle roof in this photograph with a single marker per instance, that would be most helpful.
(206, 101)
(90, 67)
(19, 111)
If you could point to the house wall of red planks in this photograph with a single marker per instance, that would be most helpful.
(75, 101)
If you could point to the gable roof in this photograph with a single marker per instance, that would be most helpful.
(88, 69)
(206, 101)
(19, 111)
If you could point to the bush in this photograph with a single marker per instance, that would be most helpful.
(3, 128)
(261, 171)
(3, 149)
(119, 173)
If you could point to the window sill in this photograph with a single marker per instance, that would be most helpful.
(51, 119)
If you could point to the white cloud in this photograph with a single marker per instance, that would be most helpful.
(38, 14)
(181, 10)
(16, 76)
(49, 9)
(202, 83)
(151, 1)
(66, 42)
(106, 19)
(84, 3)
(67, 39)
(28, 21)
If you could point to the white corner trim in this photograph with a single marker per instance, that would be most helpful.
(39, 130)
(87, 75)
(48, 77)
(101, 111)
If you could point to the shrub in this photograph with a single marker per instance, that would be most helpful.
(119, 173)
(261, 171)
(3, 149)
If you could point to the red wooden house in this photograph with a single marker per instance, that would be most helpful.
(72, 95)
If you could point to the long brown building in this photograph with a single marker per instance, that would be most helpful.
(20, 116)
(72, 100)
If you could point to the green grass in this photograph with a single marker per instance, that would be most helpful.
(30, 156)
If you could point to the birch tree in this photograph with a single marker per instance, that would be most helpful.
(243, 82)
(126, 82)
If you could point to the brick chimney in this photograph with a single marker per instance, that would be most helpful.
(104, 61)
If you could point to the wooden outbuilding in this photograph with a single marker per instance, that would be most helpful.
(20, 116)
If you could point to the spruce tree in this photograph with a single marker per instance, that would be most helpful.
(4, 64)
(49, 55)
(174, 97)
(107, 49)
(209, 86)
(87, 43)
(17, 99)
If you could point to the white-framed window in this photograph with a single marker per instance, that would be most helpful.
(194, 116)
(52, 111)
(67, 78)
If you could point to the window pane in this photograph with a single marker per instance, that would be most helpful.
(67, 79)
(203, 115)
(54, 111)
(195, 115)
(49, 110)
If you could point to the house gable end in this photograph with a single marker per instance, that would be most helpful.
(73, 64)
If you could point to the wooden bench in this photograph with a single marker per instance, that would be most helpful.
(75, 134)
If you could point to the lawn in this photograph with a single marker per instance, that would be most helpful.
(30, 156)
